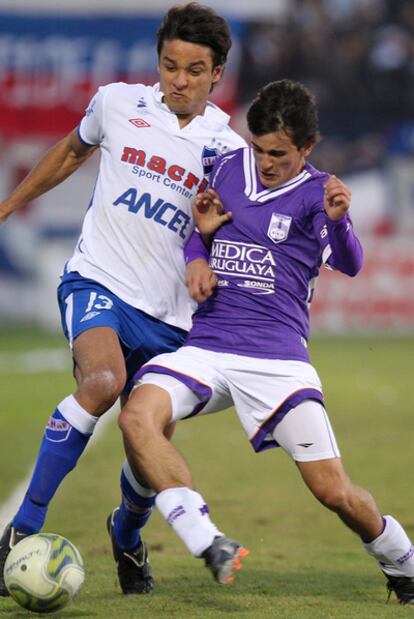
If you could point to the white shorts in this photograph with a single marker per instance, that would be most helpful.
(263, 391)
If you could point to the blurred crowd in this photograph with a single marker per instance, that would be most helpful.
(357, 56)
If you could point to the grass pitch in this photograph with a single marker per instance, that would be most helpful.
(304, 564)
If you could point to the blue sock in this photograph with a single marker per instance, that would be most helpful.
(59, 452)
(129, 522)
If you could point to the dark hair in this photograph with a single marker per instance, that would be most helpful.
(198, 24)
(288, 106)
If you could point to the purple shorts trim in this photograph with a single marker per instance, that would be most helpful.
(258, 441)
(203, 391)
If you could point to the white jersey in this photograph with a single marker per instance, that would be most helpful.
(139, 217)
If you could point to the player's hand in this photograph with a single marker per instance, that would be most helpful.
(209, 213)
(337, 198)
(200, 279)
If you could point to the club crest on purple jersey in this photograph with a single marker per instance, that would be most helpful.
(208, 157)
(278, 229)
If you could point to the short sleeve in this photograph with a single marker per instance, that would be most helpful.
(90, 129)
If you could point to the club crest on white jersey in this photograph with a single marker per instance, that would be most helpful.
(208, 158)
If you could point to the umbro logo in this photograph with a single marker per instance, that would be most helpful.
(89, 316)
(304, 444)
(139, 122)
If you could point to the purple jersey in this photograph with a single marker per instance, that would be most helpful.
(267, 259)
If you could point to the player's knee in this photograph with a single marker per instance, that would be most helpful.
(141, 417)
(134, 420)
(104, 387)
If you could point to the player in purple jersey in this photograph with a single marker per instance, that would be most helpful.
(123, 296)
(271, 221)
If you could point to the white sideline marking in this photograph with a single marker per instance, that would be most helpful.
(37, 361)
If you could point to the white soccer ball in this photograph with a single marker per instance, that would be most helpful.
(44, 572)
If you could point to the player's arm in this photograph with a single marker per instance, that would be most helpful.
(342, 249)
(200, 278)
(55, 166)
(209, 216)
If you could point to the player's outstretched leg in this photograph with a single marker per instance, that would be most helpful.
(10, 538)
(124, 526)
(65, 438)
(143, 422)
(187, 513)
(382, 536)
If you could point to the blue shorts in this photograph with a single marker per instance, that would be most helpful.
(85, 304)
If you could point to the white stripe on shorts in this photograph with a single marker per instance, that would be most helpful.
(69, 317)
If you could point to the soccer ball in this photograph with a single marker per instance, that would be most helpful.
(44, 572)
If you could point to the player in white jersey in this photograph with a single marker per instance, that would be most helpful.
(151, 171)
(278, 220)
(123, 295)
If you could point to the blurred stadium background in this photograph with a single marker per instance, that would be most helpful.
(357, 56)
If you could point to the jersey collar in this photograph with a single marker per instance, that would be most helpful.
(255, 191)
